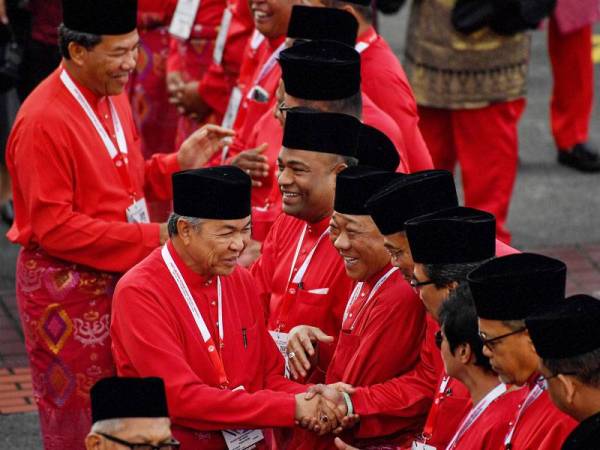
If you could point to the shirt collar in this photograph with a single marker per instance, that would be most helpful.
(373, 279)
(191, 277)
(368, 36)
(93, 99)
(318, 228)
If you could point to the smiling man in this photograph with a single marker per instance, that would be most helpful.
(506, 291)
(190, 315)
(80, 186)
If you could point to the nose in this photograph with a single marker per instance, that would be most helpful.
(341, 242)
(130, 60)
(486, 352)
(237, 244)
(284, 178)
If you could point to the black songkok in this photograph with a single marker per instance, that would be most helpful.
(355, 185)
(376, 150)
(569, 329)
(412, 196)
(112, 17)
(310, 23)
(221, 192)
(516, 286)
(320, 70)
(119, 398)
(452, 236)
(359, 2)
(322, 132)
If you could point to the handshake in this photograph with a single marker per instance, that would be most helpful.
(324, 409)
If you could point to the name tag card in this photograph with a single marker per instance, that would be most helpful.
(281, 340)
(138, 212)
(421, 446)
(242, 439)
(184, 17)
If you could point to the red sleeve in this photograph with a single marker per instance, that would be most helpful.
(64, 233)
(392, 406)
(215, 88)
(173, 60)
(157, 177)
(141, 327)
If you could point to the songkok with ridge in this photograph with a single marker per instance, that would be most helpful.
(355, 185)
(308, 129)
(452, 236)
(221, 192)
(120, 398)
(516, 286)
(110, 17)
(375, 149)
(310, 23)
(411, 196)
(320, 70)
(567, 330)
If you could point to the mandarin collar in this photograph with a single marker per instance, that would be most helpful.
(373, 279)
(318, 228)
(191, 277)
(93, 99)
(274, 43)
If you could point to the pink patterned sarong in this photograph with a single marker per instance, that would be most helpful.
(65, 313)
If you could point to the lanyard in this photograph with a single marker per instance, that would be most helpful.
(531, 397)
(364, 44)
(214, 355)
(269, 64)
(356, 292)
(476, 412)
(435, 409)
(117, 155)
(296, 283)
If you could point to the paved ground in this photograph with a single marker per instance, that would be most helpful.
(555, 211)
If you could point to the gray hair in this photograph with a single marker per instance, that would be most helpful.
(108, 426)
(585, 367)
(195, 222)
(444, 274)
(66, 36)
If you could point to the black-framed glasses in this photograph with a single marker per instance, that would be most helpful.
(171, 445)
(545, 378)
(282, 108)
(438, 339)
(491, 343)
(416, 284)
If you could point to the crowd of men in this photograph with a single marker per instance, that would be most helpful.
(317, 284)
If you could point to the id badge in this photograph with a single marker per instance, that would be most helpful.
(184, 17)
(138, 212)
(222, 36)
(232, 108)
(281, 340)
(242, 439)
(421, 446)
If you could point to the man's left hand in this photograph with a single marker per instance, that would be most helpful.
(202, 144)
(189, 101)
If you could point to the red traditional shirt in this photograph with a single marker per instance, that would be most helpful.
(69, 197)
(381, 73)
(216, 84)
(154, 334)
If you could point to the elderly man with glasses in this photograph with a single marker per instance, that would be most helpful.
(506, 291)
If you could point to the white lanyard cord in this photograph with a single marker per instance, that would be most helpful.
(531, 397)
(269, 64)
(302, 270)
(108, 143)
(358, 288)
(476, 412)
(189, 299)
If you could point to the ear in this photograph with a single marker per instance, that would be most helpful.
(569, 387)
(464, 353)
(530, 342)
(184, 230)
(78, 53)
(452, 285)
(93, 442)
(350, 9)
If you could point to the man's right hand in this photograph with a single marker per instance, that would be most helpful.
(301, 340)
(253, 163)
(174, 85)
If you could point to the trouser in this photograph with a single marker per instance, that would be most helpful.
(65, 314)
(573, 89)
(484, 142)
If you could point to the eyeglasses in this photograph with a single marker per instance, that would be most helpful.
(557, 374)
(282, 108)
(491, 343)
(171, 445)
(438, 339)
(416, 284)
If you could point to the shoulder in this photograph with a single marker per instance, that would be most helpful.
(143, 278)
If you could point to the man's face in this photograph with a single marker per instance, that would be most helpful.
(397, 246)
(271, 17)
(431, 295)
(307, 182)
(215, 245)
(359, 243)
(107, 66)
(561, 389)
(152, 431)
(513, 357)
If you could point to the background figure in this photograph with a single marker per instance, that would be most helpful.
(470, 90)
(570, 48)
(155, 118)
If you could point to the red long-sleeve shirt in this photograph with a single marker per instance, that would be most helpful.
(382, 74)
(154, 334)
(69, 198)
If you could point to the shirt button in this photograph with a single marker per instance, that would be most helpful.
(213, 303)
(217, 324)
(292, 291)
(296, 269)
(350, 315)
(106, 116)
(362, 295)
